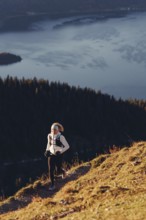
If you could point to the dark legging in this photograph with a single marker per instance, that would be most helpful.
(55, 162)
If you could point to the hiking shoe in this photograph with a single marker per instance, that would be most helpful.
(51, 188)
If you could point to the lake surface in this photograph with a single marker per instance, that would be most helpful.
(107, 55)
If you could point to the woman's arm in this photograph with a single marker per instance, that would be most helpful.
(48, 144)
(65, 144)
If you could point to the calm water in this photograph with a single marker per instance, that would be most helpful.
(107, 55)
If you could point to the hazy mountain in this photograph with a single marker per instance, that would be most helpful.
(8, 7)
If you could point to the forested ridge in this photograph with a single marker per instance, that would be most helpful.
(93, 121)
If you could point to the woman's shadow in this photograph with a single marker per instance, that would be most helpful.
(80, 171)
(42, 191)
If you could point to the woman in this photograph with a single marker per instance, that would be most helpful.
(56, 146)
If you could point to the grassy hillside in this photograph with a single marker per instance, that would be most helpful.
(111, 186)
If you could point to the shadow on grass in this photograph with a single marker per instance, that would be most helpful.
(15, 203)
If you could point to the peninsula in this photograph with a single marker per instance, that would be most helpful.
(8, 58)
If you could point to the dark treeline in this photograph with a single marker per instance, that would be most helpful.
(93, 122)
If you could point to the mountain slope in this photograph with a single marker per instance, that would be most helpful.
(93, 122)
(109, 187)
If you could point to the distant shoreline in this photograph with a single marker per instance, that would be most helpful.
(23, 21)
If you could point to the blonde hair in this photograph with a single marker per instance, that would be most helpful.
(61, 128)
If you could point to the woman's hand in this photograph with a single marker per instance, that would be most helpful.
(47, 153)
(58, 153)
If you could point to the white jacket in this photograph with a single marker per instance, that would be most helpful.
(53, 148)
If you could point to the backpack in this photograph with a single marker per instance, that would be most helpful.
(58, 142)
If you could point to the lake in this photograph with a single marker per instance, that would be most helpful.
(103, 54)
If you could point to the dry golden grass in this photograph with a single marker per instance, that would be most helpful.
(109, 187)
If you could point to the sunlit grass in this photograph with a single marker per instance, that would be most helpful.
(114, 187)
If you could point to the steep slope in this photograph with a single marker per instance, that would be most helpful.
(90, 119)
(109, 187)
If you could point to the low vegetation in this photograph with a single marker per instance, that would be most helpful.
(111, 186)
